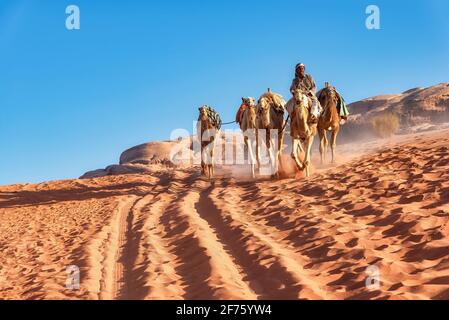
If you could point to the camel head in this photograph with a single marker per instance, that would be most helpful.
(263, 111)
(250, 104)
(302, 103)
(249, 101)
(204, 113)
(300, 97)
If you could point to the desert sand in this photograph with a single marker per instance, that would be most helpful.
(173, 235)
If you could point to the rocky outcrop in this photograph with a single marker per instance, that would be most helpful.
(148, 158)
(418, 109)
(430, 103)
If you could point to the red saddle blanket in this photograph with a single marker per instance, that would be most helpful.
(238, 117)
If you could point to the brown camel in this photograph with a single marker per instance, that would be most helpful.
(207, 133)
(270, 116)
(302, 131)
(328, 121)
(247, 123)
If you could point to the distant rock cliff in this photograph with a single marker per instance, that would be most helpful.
(431, 103)
(147, 158)
(418, 109)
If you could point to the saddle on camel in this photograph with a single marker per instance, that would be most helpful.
(213, 116)
(341, 104)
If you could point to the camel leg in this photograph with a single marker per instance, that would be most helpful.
(308, 155)
(206, 162)
(209, 162)
(273, 165)
(211, 173)
(272, 161)
(300, 147)
(249, 146)
(212, 157)
(245, 147)
(203, 163)
(320, 134)
(302, 150)
(276, 157)
(257, 150)
(312, 138)
(333, 142)
(279, 151)
(295, 148)
(323, 145)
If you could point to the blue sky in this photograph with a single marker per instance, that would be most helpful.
(72, 101)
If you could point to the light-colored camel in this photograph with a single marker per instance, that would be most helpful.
(207, 134)
(328, 121)
(302, 131)
(248, 127)
(270, 116)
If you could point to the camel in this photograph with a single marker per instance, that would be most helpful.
(270, 116)
(302, 131)
(247, 123)
(207, 133)
(328, 121)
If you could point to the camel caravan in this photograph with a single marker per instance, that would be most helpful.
(263, 124)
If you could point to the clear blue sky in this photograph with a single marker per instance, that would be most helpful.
(72, 101)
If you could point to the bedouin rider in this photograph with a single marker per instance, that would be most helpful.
(305, 83)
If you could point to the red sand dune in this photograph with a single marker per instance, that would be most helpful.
(173, 235)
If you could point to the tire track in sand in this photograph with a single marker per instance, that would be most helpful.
(121, 256)
(103, 253)
(150, 272)
(142, 250)
(182, 241)
(207, 270)
(276, 271)
(163, 280)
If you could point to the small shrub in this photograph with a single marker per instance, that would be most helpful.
(385, 125)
